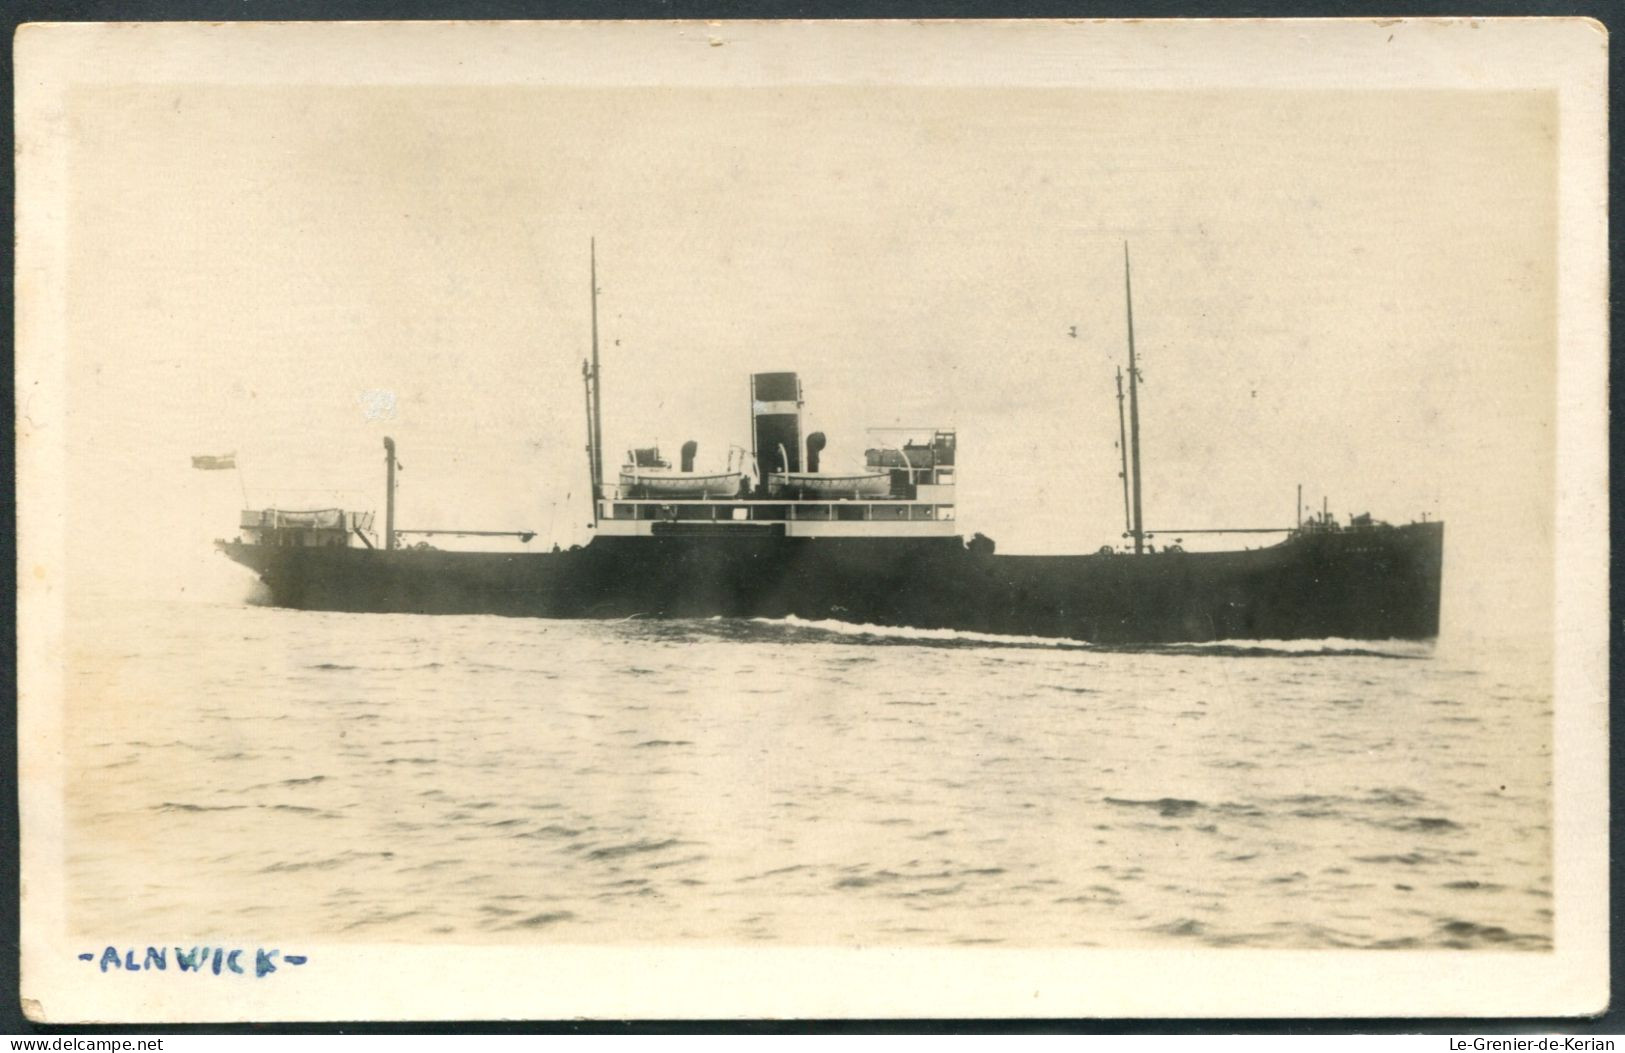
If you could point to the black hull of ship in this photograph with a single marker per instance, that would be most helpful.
(1377, 583)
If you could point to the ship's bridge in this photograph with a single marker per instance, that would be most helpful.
(906, 490)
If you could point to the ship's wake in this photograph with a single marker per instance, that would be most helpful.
(793, 629)
(893, 635)
(1331, 647)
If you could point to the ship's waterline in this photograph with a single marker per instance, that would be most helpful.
(1374, 583)
(260, 774)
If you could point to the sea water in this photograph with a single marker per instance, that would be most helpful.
(238, 772)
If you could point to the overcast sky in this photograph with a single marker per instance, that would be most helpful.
(1352, 291)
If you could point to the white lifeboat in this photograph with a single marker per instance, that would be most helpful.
(829, 487)
(668, 482)
(647, 474)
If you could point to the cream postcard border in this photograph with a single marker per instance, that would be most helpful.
(354, 981)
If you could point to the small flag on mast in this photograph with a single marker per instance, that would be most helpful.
(215, 464)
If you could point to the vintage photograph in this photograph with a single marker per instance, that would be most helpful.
(1042, 499)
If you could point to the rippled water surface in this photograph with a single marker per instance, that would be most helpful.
(240, 772)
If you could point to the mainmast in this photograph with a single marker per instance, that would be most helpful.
(592, 455)
(1137, 528)
(1122, 448)
(597, 405)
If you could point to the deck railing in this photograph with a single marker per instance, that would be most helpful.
(777, 511)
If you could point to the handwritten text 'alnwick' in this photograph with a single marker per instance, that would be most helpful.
(216, 960)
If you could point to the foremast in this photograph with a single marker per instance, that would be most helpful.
(590, 377)
(1137, 524)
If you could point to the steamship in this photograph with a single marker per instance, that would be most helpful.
(776, 536)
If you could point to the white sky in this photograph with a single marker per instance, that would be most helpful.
(1352, 290)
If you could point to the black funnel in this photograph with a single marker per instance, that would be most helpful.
(815, 446)
(690, 448)
(775, 409)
